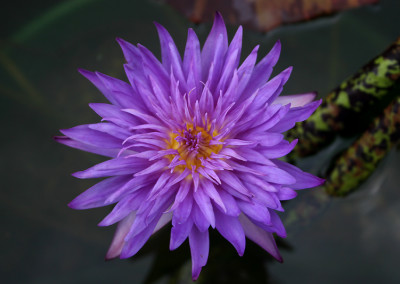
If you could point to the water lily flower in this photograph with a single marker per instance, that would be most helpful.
(195, 142)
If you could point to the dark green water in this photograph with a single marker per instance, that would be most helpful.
(356, 240)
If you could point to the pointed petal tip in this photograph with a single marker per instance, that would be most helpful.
(320, 181)
(218, 15)
(239, 31)
(160, 28)
(106, 258)
(123, 255)
(85, 72)
(286, 74)
(59, 138)
(276, 49)
(103, 223)
(192, 34)
(110, 255)
(80, 174)
(218, 19)
(71, 205)
(158, 25)
(74, 204)
(65, 131)
(195, 276)
(122, 43)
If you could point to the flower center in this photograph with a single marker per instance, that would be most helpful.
(193, 145)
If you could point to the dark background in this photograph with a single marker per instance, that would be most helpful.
(42, 43)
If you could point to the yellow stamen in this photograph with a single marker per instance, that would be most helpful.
(192, 144)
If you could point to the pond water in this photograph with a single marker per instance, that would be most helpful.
(353, 240)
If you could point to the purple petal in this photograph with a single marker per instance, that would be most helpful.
(241, 168)
(114, 114)
(122, 92)
(303, 179)
(286, 193)
(236, 44)
(117, 166)
(199, 247)
(238, 142)
(146, 117)
(210, 190)
(131, 52)
(267, 90)
(230, 204)
(92, 77)
(231, 229)
(137, 78)
(157, 166)
(263, 70)
(265, 198)
(153, 65)
(263, 138)
(179, 233)
(124, 207)
(204, 203)
(183, 210)
(111, 129)
(134, 244)
(192, 61)
(231, 60)
(274, 174)
(255, 211)
(162, 203)
(160, 183)
(275, 119)
(97, 195)
(284, 76)
(199, 219)
(134, 184)
(279, 229)
(295, 100)
(164, 220)
(215, 47)
(85, 147)
(259, 117)
(118, 241)
(231, 153)
(169, 53)
(254, 156)
(233, 181)
(294, 115)
(227, 72)
(153, 142)
(84, 134)
(184, 188)
(246, 69)
(262, 184)
(279, 150)
(259, 236)
(141, 223)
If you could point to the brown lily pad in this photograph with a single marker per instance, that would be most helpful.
(263, 15)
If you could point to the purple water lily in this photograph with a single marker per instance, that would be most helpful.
(195, 141)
